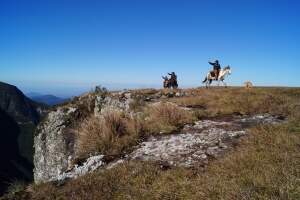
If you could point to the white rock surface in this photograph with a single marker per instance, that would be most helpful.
(90, 165)
(51, 147)
(196, 143)
(186, 149)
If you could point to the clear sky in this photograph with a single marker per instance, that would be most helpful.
(66, 46)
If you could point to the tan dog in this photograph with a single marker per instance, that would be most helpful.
(248, 85)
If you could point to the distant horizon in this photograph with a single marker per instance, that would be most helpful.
(76, 91)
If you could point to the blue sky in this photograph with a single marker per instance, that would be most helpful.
(64, 47)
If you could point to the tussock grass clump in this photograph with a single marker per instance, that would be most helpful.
(137, 105)
(110, 134)
(166, 117)
(116, 132)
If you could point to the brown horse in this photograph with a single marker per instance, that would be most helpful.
(166, 82)
(169, 83)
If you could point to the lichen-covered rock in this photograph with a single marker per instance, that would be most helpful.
(112, 103)
(55, 140)
(52, 148)
(191, 147)
(91, 164)
(197, 142)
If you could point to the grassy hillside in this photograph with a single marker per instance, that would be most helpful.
(263, 165)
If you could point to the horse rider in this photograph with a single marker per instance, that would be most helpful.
(173, 80)
(173, 76)
(216, 68)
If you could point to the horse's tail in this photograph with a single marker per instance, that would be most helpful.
(204, 80)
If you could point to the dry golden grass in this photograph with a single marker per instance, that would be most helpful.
(217, 102)
(111, 134)
(137, 105)
(116, 133)
(144, 92)
(166, 117)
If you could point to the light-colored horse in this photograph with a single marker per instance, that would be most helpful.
(223, 73)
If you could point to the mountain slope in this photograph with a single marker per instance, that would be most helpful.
(48, 99)
(17, 105)
(18, 118)
(13, 165)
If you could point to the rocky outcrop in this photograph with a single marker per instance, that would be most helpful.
(53, 150)
(54, 142)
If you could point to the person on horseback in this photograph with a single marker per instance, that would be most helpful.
(173, 76)
(173, 79)
(216, 68)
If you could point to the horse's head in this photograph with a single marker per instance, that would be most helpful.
(166, 81)
(227, 69)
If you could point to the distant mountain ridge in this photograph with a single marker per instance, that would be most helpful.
(19, 116)
(17, 105)
(46, 99)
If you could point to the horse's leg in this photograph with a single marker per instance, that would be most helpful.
(224, 84)
(209, 82)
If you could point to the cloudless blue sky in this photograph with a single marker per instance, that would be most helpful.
(68, 46)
